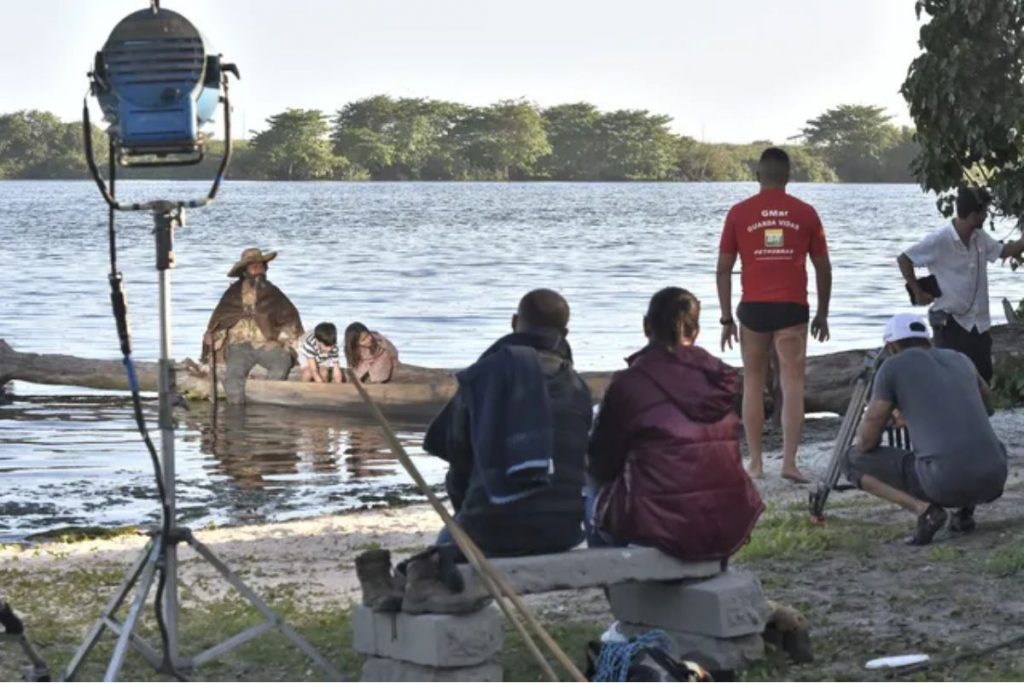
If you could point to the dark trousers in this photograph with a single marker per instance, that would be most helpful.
(975, 345)
(242, 358)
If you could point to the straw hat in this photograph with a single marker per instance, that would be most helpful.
(251, 255)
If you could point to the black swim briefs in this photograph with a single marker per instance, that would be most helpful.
(766, 316)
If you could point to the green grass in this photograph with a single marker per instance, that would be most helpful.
(59, 604)
(572, 637)
(774, 667)
(1006, 561)
(59, 607)
(945, 553)
(854, 647)
(369, 545)
(790, 534)
(1008, 384)
(74, 534)
(1004, 666)
(848, 500)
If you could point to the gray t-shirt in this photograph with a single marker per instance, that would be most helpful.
(960, 461)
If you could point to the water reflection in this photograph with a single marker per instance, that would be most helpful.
(256, 446)
(77, 460)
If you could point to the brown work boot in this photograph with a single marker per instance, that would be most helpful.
(426, 591)
(789, 631)
(379, 591)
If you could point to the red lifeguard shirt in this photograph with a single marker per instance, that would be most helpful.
(773, 233)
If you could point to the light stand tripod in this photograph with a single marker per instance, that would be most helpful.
(160, 554)
(158, 84)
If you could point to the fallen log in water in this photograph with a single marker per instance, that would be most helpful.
(193, 380)
(830, 376)
(54, 368)
(418, 389)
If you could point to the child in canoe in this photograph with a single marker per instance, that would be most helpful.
(318, 355)
(372, 357)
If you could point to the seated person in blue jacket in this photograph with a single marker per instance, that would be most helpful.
(957, 461)
(515, 437)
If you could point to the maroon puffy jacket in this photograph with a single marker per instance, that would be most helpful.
(666, 452)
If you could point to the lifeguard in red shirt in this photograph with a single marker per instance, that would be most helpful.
(773, 233)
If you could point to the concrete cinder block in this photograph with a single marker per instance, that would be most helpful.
(718, 654)
(593, 567)
(728, 605)
(364, 630)
(382, 669)
(436, 640)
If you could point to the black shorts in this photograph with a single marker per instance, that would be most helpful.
(768, 316)
(892, 466)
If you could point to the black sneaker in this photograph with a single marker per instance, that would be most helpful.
(928, 524)
(962, 520)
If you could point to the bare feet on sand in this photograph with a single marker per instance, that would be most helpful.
(755, 471)
(796, 476)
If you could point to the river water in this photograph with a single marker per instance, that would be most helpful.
(437, 267)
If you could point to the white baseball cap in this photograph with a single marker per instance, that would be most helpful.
(905, 326)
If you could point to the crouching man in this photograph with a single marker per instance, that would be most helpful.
(957, 461)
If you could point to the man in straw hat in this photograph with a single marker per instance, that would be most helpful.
(957, 461)
(254, 324)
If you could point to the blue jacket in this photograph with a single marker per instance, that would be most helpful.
(515, 436)
(511, 429)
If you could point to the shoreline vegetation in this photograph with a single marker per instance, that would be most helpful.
(401, 139)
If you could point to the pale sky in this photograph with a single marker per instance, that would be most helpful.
(724, 70)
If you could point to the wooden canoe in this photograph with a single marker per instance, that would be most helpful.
(398, 398)
(415, 392)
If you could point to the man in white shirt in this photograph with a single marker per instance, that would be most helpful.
(958, 256)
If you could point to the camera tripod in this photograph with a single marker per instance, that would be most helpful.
(159, 560)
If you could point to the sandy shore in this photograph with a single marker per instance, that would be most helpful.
(316, 555)
(854, 577)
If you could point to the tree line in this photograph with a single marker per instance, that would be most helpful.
(385, 138)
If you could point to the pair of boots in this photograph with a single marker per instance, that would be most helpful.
(427, 583)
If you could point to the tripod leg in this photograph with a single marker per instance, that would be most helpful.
(847, 434)
(121, 649)
(145, 649)
(40, 672)
(108, 612)
(264, 609)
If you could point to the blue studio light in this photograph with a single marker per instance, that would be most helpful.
(158, 82)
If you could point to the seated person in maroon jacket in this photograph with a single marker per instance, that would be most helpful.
(664, 456)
